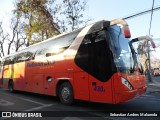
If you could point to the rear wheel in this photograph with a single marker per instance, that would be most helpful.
(11, 86)
(66, 93)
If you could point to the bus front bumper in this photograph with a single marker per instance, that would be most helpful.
(125, 96)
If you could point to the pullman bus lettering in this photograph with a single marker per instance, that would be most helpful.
(93, 63)
(38, 64)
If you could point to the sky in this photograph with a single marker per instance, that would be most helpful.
(112, 9)
(109, 10)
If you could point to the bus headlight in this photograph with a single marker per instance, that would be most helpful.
(126, 83)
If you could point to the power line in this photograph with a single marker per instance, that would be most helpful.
(141, 13)
(151, 17)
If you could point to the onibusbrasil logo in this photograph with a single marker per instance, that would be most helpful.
(20, 114)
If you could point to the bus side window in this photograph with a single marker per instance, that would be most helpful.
(61, 45)
(25, 56)
(41, 53)
(29, 56)
(5, 62)
(2, 62)
(18, 58)
(8, 61)
(56, 51)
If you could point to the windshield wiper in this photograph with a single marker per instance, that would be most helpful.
(133, 54)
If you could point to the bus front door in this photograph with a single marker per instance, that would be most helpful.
(100, 91)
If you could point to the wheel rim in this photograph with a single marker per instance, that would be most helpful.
(65, 93)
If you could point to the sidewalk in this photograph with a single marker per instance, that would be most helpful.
(153, 86)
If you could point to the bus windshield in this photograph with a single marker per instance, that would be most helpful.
(121, 50)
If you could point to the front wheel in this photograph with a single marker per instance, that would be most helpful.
(66, 93)
(11, 86)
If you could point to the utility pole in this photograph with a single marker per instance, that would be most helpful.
(149, 64)
(149, 60)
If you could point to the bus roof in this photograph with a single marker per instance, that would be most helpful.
(47, 41)
(34, 48)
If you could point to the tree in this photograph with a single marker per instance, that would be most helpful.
(42, 18)
(37, 19)
(72, 14)
(3, 38)
(18, 36)
(13, 41)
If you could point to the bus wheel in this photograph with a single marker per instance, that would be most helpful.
(11, 86)
(66, 93)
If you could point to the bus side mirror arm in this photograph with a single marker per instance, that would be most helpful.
(147, 38)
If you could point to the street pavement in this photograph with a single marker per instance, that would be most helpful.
(154, 85)
(24, 102)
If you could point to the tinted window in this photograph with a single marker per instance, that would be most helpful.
(8, 60)
(41, 53)
(95, 57)
(24, 56)
(53, 47)
(57, 46)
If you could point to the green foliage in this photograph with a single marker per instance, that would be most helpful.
(42, 19)
(73, 14)
(36, 18)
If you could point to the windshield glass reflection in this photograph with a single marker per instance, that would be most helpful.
(121, 50)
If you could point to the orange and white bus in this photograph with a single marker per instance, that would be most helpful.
(94, 63)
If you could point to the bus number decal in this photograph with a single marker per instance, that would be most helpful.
(99, 89)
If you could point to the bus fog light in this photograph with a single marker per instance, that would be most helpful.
(126, 83)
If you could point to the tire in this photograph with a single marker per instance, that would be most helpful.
(66, 93)
(11, 86)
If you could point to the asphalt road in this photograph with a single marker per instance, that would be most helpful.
(156, 79)
(28, 103)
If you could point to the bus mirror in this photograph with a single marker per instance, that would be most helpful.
(126, 31)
